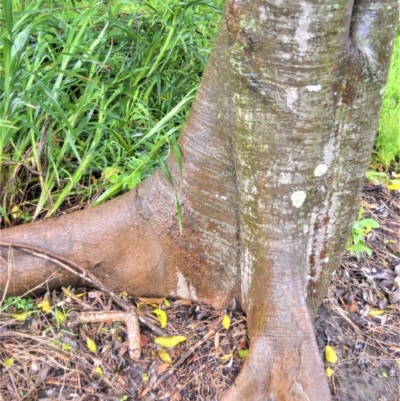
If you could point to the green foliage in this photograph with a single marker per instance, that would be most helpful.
(388, 139)
(22, 304)
(91, 88)
(361, 227)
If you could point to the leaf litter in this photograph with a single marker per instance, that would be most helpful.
(44, 357)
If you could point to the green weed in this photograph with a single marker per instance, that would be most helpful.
(361, 227)
(92, 88)
(388, 139)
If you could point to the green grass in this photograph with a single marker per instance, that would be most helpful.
(93, 97)
(388, 139)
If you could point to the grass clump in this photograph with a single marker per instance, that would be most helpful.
(92, 97)
(388, 139)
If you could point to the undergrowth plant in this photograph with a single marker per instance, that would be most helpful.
(388, 139)
(93, 97)
(361, 227)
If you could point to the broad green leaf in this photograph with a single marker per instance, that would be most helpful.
(226, 322)
(169, 342)
(92, 347)
(330, 354)
(161, 316)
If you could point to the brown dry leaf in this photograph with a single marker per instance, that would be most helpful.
(162, 368)
(151, 301)
(352, 306)
(143, 340)
(367, 205)
(185, 302)
(216, 342)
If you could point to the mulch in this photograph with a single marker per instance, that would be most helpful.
(45, 356)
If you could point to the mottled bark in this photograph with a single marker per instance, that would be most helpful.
(275, 151)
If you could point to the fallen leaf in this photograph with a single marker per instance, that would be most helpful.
(98, 371)
(151, 301)
(242, 353)
(162, 368)
(161, 316)
(15, 212)
(164, 356)
(60, 316)
(45, 304)
(21, 316)
(352, 306)
(376, 312)
(330, 354)
(169, 342)
(384, 374)
(143, 340)
(8, 362)
(226, 322)
(394, 187)
(92, 347)
(329, 372)
(167, 303)
(225, 357)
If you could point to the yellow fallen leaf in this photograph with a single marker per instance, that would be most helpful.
(123, 294)
(21, 316)
(45, 305)
(8, 362)
(242, 353)
(330, 354)
(145, 377)
(167, 303)
(384, 374)
(92, 347)
(376, 312)
(226, 322)
(169, 342)
(161, 316)
(329, 371)
(15, 212)
(225, 357)
(98, 371)
(60, 316)
(394, 187)
(164, 356)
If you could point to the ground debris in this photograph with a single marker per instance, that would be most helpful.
(50, 357)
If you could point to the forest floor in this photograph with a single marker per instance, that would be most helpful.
(45, 355)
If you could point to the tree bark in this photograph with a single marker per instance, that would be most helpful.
(275, 150)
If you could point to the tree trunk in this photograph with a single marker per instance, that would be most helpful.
(275, 151)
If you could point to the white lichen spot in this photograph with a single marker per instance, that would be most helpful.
(183, 289)
(313, 88)
(303, 34)
(298, 198)
(321, 169)
(223, 197)
(306, 228)
(326, 260)
(291, 97)
(263, 15)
